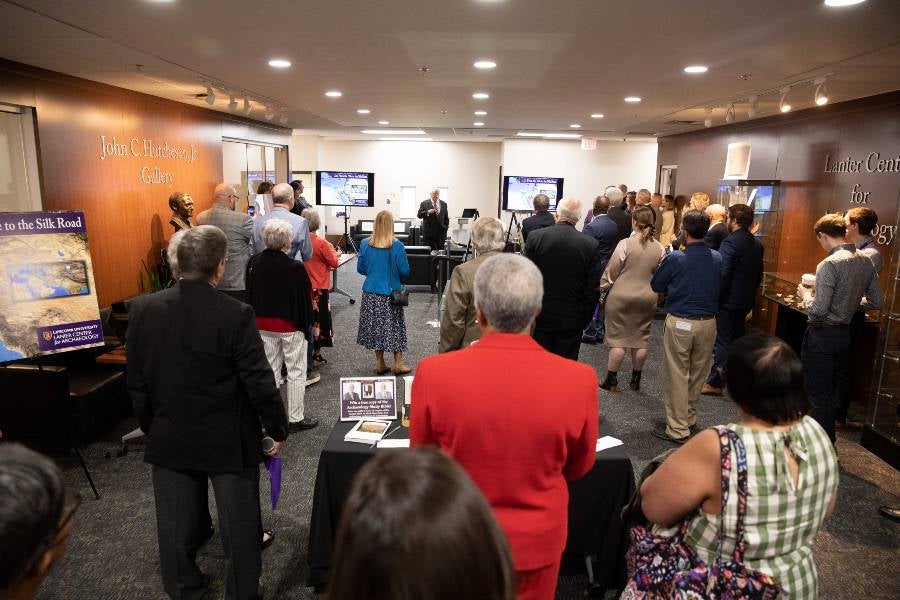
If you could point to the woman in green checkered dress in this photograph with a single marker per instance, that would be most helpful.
(792, 472)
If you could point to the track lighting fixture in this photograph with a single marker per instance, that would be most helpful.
(729, 113)
(783, 104)
(270, 113)
(754, 107)
(821, 94)
(283, 118)
(210, 96)
(707, 122)
(248, 108)
(232, 103)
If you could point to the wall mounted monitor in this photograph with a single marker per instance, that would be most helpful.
(519, 191)
(345, 188)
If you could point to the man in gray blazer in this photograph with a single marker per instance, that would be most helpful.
(238, 230)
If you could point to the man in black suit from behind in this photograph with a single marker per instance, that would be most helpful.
(742, 270)
(569, 263)
(618, 212)
(435, 220)
(203, 390)
(541, 217)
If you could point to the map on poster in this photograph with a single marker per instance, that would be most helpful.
(48, 302)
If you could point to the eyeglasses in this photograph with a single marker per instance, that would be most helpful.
(69, 509)
(233, 196)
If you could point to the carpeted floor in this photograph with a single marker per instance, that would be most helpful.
(113, 551)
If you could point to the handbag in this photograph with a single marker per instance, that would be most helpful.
(667, 567)
(399, 296)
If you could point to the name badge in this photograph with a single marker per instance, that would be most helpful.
(683, 325)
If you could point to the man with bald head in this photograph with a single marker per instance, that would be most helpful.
(283, 201)
(569, 263)
(238, 229)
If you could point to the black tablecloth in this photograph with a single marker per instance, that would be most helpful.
(595, 502)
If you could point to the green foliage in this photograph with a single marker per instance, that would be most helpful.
(154, 278)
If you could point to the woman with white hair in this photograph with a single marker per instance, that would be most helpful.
(279, 291)
(458, 325)
(318, 267)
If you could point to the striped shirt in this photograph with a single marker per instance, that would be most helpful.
(843, 279)
(782, 518)
(868, 247)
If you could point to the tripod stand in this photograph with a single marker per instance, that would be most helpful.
(514, 219)
(346, 239)
(469, 242)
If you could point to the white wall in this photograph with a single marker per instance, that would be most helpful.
(587, 172)
(471, 169)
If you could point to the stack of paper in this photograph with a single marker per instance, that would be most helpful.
(608, 441)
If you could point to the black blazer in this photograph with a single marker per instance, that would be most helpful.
(742, 270)
(199, 380)
(535, 222)
(569, 262)
(434, 225)
(278, 286)
(622, 219)
(716, 235)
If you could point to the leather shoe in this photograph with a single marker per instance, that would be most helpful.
(207, 535)
(267, 538)
(306, 423)
(891, 512)
(694, 429)
(660, 432)
(709, 390)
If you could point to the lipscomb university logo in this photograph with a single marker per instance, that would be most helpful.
(48, 335)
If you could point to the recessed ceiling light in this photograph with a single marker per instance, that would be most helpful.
(333, 94)
(363, 111)
(838, 3)
(480, 113)
(279, 63)
(632, 99)
(478, 124)
(694, 69)
(481, 95)
(484, 64)
(393, 131)
(384, 122)
(575, 125)
(597, 116)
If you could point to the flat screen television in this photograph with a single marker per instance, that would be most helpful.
(519, 191)
(345, 188)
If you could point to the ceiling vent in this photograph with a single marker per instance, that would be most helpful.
(679, 122)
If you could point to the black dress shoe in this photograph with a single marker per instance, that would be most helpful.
(660, 432)
(891, 512)
(207, 535)
(307, 423)
(268, 536)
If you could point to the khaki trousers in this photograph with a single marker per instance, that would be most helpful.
(688, 350)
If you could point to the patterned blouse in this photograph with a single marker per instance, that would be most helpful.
(782, 519)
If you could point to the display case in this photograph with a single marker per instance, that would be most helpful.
(881, 431)
(764, 196)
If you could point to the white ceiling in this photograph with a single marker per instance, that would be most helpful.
(558, 60)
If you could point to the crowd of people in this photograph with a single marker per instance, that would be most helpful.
(486, 517)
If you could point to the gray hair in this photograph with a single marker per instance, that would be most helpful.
(283, 194)
(569, 210)
(487, 234)
(277, 234)
(200, 251)
(509, 290)
(716, 210)
(34, 495)
(172, 253)
(541, 202)
(312, 217)
(614, 194)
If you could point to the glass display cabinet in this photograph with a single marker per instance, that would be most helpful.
(881, 431)
(765, 198)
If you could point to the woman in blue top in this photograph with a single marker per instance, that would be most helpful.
(382, 328)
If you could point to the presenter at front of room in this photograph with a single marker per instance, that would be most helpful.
(435, 221)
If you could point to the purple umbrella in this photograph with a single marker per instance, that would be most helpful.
(273, 466)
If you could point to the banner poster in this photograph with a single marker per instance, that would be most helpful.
(48, 300)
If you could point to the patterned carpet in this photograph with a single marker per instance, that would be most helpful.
(113, 551)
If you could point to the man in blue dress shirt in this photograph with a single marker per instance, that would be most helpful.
(606, 232)
(283, 199)
(690, 279)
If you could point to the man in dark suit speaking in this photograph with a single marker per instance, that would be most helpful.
(203, 390)
(435, 221)
(569, 263)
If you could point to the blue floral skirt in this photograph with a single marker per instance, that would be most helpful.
(381, 324)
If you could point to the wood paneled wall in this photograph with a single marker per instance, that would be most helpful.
(127, 218)
(793, 148)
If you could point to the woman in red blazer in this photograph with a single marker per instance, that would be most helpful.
(520, 420)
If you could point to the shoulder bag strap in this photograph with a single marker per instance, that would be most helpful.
(743, 493)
